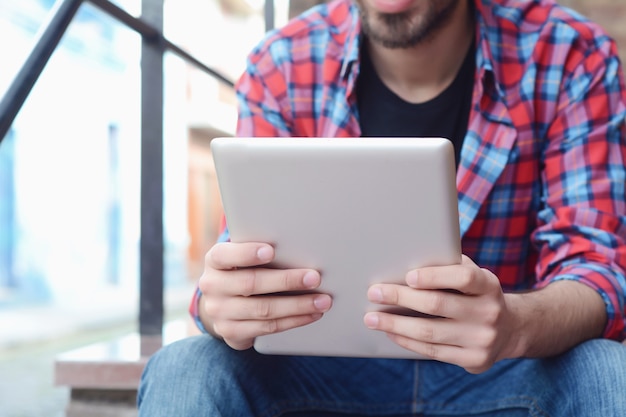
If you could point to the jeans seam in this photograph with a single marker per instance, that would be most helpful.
(529, 403)
(416, 380)
(278, 409)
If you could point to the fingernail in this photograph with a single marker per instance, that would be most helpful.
(311, 279)
(264, 254)
(375, 295)
(371, 320)
(322, 302)
(411, 279)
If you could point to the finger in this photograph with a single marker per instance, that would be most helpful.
(435, 339)
(472, 360)
(432, 302)
(241, 334)
(431, 330)
(469, 346)
(258, 281)
(466, 278)
(264, 308)
(229, 255)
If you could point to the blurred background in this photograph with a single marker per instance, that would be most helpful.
(70, 175)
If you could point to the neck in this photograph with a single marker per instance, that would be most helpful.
(421, 72)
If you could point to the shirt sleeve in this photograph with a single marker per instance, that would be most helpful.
(193, 305)
(582, 226)
(263, 95)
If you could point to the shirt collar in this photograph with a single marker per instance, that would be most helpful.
(485, 67)
(484, 56)
(352, 45)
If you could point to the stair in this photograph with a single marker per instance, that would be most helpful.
(103, 377)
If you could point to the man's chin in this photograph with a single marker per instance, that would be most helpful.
(393, 43)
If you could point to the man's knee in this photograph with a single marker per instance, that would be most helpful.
(595, 372)
(186, 356)
(173, 367)
(599, 355)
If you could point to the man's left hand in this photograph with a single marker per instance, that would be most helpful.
(472, 327)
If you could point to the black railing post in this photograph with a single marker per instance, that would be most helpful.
(151, 310)
(269, 15)
(48, 39)
(154, 44)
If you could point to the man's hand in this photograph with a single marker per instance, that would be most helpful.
(239, 300)
(476, 324)
(474, 327)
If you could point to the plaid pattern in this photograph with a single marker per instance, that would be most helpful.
(542, 173)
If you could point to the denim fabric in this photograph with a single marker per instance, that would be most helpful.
(201, 376)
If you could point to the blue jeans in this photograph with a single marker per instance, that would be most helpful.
(201, 376)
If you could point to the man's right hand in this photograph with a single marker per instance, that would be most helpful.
(239, 300)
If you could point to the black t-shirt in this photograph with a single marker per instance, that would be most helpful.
(382, 113)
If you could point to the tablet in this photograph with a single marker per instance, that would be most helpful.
(358, 210)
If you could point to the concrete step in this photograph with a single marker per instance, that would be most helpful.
(103, 377)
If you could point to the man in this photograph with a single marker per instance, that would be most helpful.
(533, 98)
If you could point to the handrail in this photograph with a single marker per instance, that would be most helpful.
(61, 16)
(150, 33)
(269, 15)
(154, 45)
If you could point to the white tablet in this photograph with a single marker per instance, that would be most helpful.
(358, 210)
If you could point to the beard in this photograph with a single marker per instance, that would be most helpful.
(405, 29)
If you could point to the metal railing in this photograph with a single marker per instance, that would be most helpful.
(154, 46)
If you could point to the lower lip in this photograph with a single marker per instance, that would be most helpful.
(391, 6)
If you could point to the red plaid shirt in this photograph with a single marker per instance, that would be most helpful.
(541, 180)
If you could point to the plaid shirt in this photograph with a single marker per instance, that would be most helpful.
(541, 180)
